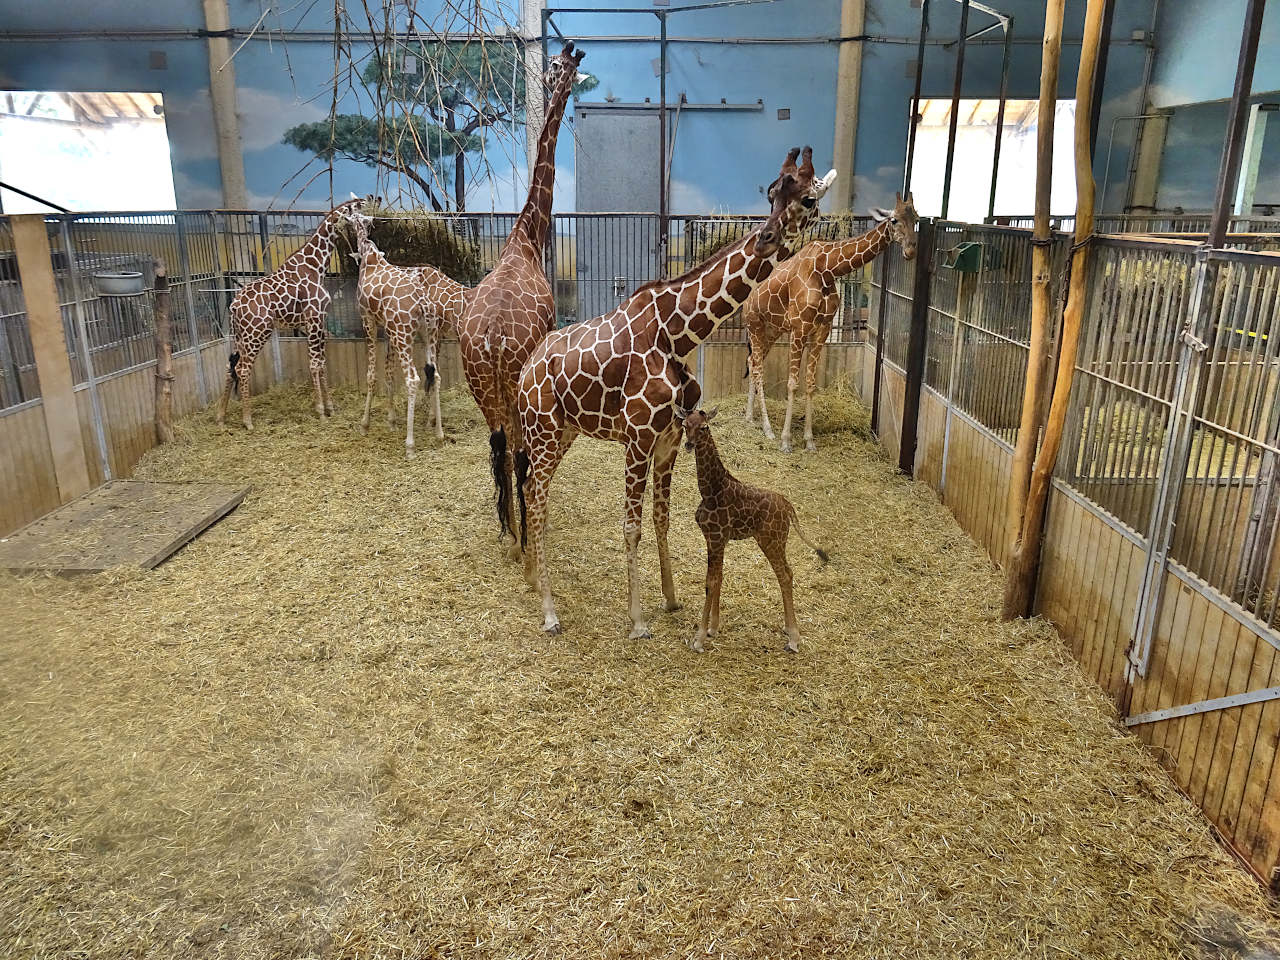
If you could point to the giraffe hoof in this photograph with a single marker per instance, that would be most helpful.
(810, 446)
(639, 632)
(769, 434)
(696, 645)
(786, 447)
(409, 454)
(671, 606)
(553, 629)
(792, 645)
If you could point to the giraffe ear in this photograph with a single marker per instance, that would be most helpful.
(711, 414)
(879, 214)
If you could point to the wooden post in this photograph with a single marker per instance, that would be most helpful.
(1024, 561)
(917, 346)
(164, 358)
(1029, 429)
(49, 346)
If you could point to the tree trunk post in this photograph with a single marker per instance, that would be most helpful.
(164, 357)
(1024, 560)
(1029, 427)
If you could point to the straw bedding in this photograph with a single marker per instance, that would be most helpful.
(331, 727)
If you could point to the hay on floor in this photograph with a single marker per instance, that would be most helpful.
(332, 727)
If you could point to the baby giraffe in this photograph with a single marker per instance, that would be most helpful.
(732, 510)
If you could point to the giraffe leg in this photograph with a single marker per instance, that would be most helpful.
(371, 371)
(315, 349)
(810, 385)
(324, 389)
(664, 465)
(793, 380)
(226, 396)
(775, 551)
(390, 381)
(751, 379)
(759, 354)
(637, 472)
(433, 354)
(547, 454)
(715, 574)
(244, 371)
(404, 348)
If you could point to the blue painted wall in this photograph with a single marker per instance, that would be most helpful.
(721, 160)
(1193, 76)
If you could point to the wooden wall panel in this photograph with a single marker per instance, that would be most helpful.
(28, 486)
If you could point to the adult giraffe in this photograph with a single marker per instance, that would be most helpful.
(402, 300)
(512, 309)
(801, 299)
(293, 295)
(622, 376)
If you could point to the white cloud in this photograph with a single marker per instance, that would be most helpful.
(195, 195)
(687, 197)
(264, 117)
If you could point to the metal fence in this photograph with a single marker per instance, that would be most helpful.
(1148, 224)
(18, 380)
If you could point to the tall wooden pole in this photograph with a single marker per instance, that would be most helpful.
(1024, 561)
(164, 358)
(1029, 429)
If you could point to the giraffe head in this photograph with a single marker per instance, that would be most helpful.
(902, 222)
(793, 201)
(695, 423)
(563, 68)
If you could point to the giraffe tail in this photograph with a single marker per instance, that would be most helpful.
(522, 474)
(501, 479)
(234, 360)
(795, 520)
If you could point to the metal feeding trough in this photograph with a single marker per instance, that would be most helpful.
(970, 256)
(118, 283)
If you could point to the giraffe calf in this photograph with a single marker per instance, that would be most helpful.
(733, 510)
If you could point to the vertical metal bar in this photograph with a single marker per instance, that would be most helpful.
(1100, 75)
(1231, 155)
(86, 358)
(879, 366)
(220, 273)
(1004, 99)
(662, 144)
(916, 346)
(1173, 469)
(955, 107)
(915, 98)
(184, 258)
(277, 366)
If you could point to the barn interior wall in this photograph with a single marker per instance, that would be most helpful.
(721, 159)
(1195, 89)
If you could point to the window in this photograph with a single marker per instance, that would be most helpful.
(975, 146)
(84, 151)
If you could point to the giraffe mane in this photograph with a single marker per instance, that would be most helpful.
(722, 254)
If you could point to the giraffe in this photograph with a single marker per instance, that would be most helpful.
(620, 378)
(402, 300)
(801, 299)
(733, 510)
(512, 309)
(293, 295)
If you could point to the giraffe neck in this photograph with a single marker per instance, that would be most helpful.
(840, 259)
(532, 225)
(314, 254)
(712, 474)
(691, 307)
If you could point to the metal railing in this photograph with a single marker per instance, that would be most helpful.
(18, 381)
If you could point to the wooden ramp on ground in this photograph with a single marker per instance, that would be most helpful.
(132, 523)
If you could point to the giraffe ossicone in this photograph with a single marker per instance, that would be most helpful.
(621, 377)
(801, 299)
